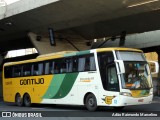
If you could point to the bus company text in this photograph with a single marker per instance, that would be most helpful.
(31, 81)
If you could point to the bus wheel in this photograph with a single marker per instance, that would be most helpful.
(19, 100)
(27, 100)
(91, 102)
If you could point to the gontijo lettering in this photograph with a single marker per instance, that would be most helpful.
(31, 81)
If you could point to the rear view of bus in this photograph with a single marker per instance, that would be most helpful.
(126, 78)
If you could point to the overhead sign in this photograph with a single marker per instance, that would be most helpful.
(52, 37)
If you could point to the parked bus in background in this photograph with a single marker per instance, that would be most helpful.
(115, 77)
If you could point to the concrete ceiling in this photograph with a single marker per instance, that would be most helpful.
(87, 18)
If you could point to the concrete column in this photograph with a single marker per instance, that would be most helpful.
(1, 59)
(43, 45)
(1, 89)
(158, 81)
(158, 52)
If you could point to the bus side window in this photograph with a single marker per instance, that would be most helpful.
(57, 66)
(8, 72)
(69, 65)
(75, 65)
(92, 64)
(38, 69)
(87, 64)
(113, 84)
(56, 69)
(17, 71)
(35, 69)
(81, 64)
(47, 68)
(51, 67)
(63, 66)
(27, 69)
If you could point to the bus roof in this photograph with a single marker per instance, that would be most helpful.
(118, 48)
(57, 53)
(69, 53)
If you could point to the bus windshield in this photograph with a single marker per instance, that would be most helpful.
(137, 74)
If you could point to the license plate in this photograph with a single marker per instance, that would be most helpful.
(140, 100)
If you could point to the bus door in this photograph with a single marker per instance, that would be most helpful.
(109, 77)
(112, 78)
(112, 84)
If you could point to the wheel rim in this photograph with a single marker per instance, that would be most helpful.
(27, 99)
(18, 100)
(91, 102)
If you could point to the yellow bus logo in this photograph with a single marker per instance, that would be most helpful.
(108, 99)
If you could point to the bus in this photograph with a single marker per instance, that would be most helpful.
(115, 77)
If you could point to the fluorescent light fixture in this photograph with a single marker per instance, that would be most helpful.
(142, 3)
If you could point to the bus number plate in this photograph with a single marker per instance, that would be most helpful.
(140, 100)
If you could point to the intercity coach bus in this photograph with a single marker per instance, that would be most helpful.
(115, 77)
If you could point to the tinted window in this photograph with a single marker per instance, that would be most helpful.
(8, 72)
(86, 63)
(56, 66)
(37, 68)
(69, 65)
(27, 69)
(17, 70)
(112, 84)
(75, 64)
(49, 67)
(104, 59)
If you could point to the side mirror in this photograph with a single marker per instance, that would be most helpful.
(154, 67)
(121, 66)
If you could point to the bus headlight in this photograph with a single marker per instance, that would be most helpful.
(125, 94)
(151, 93)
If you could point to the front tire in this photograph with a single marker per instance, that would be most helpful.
(27, 100)
(18, 100)
(91, 102)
